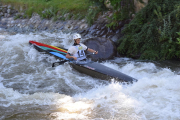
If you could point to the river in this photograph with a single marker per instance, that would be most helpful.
(30, 89)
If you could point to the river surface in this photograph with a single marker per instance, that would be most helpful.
(30, 89)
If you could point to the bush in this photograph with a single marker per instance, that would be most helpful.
(121, 9)
(49, 13)
(152, 33)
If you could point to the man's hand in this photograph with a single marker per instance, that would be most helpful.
(75, 58)
(96, 52)
(69, 57)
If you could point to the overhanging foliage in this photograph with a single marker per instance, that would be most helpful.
(152, 34)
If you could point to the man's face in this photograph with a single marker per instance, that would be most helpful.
(78, 40)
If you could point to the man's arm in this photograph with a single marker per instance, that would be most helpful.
(93, 51)
(69, 56)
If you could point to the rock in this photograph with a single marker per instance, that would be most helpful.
(4, 10)
(5, 15)
(9, 6)
(76, 27)
(82, 31)
(8, 11)
(108, 4)
(61, 27)
(68, 27)
(93, 27)
(105, 47)
(139, 6)
(35, 19)
(83, 26)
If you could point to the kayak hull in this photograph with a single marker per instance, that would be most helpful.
(90, 72)
(103, 72)
(90, 68)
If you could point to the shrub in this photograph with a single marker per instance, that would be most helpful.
(121, 9)
(152, 33)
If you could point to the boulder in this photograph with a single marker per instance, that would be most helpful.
(139, 5)
(105, 47)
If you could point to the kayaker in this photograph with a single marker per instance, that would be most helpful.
(76, 51)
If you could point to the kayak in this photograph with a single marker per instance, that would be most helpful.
(88, 67)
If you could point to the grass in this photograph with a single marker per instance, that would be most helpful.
(49, 6)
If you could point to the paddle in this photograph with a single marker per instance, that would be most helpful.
(59, 63)
(62, 62)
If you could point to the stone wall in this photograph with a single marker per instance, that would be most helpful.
(7, 11)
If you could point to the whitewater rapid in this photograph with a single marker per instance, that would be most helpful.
(31, 89)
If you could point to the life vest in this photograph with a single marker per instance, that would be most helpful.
(80, 53)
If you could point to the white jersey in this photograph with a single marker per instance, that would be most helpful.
(78, 51)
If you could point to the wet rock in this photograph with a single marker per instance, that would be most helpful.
(83, 26)
(97, 32)
(82, 31)
(93, 27)
(103, 32)
(4, 23)
(61, 27)
(31, 26)
(68, 27)
(105, 47)
(103, 27)
(5, 27)
(115, 38)
(76, 27)
(64, 23)
(4, 10)
(9, 11)
(92, 32)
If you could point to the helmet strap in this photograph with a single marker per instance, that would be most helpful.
(74, 41)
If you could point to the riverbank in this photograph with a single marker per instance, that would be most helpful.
(55, 7)
(9, 22)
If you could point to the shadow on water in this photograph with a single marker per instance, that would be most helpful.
(174, 65)
(25, 112)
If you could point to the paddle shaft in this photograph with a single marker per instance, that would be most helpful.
(62, 62)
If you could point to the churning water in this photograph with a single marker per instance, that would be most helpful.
(31, 89)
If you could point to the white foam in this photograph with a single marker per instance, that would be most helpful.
(154, 96)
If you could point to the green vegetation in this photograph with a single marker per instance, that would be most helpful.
(121, 10)
(152, 34)
(49, 8)
(178, 42)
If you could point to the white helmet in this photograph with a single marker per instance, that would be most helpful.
(76, 36)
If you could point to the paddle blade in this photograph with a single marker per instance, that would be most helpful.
(58, 63)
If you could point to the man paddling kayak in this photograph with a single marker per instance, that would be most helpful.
(76, 51)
